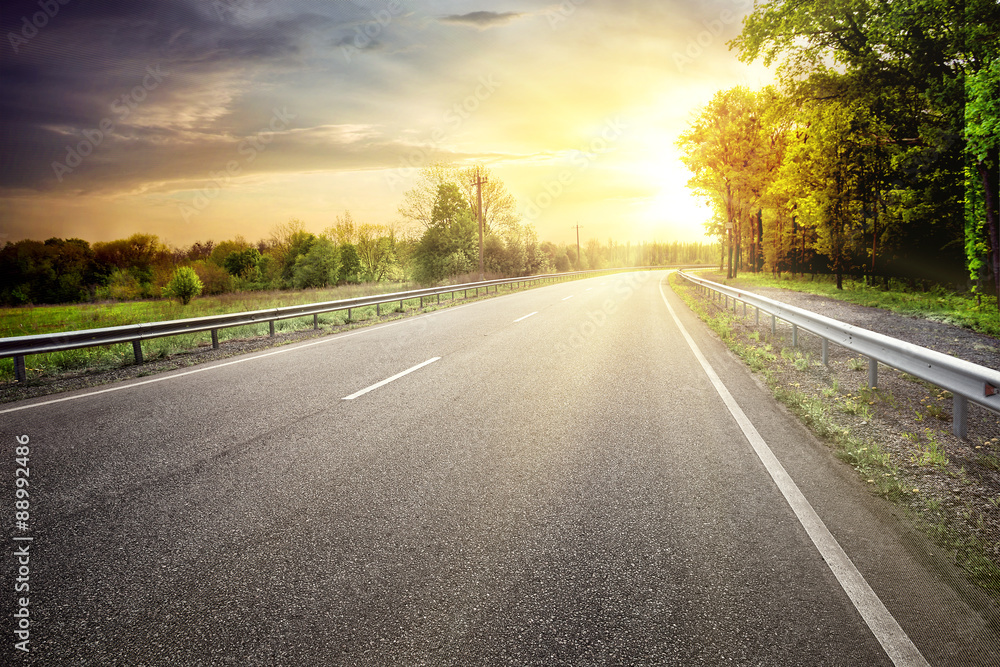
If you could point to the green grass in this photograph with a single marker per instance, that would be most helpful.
(962, 310)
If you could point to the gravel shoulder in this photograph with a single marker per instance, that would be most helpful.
(901, 432)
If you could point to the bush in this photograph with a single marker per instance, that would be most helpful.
(121, 286)
(184, 286)
(214, 279)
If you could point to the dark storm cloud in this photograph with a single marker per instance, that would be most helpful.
(67, 68)
(482, 19)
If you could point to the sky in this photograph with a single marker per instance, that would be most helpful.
(204, 119)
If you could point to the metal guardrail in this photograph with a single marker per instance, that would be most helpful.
(20, 346)
(965, 380)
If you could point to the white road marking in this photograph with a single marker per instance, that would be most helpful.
(886, 629)
(588, 289)
(388, 380)
(568, 297)
(526, 316)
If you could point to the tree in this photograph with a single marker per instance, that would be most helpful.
(449, 246)
(317, 267)
(243, 263)
(499, 206)
(418, 202)
(734, 150)
(184, 286)
(376, 250)
(350, 264)
(982, 123)
(928, 67)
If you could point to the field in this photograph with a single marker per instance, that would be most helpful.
(51, 319)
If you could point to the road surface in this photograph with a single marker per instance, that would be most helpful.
(556, 481)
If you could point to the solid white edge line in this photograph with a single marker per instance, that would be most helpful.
(525, 317)
(883, 625)
(568, 297)
(388, 380)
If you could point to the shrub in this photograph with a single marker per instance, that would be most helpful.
(214, 279)
(184, 286)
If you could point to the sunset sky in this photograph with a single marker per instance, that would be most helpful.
(202, 119)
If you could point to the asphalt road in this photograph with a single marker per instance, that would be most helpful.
(561, 485)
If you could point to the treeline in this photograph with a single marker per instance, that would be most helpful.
(442, 243)
(878, 154)
(139, 267)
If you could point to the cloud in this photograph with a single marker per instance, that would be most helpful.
(482, 20)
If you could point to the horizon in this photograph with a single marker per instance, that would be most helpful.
(196, 122)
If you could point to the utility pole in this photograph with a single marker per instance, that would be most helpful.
(480, 179)
(578, 246)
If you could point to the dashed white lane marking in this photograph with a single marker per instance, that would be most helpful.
(526, 316)
(568, 297)
(388, 380)
(884, 626)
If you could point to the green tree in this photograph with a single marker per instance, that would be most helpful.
(184, 286)
(734, 150)
(317, 267)
(243, 263)
(450, 245)
(350, 264)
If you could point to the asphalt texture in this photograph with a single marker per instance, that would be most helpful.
(567, 489)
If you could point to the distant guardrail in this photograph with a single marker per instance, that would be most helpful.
(19, 347)
(965, 380)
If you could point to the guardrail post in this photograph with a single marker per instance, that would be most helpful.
(215, 339)
(872, 373)
(774, 325)
(960, 416)
(795, 335)
(744, 309)
(315, 320)
(378, 309)
(439, 297)
(727, 301)
(401, 309)
(270, 328)
(19, 370)
(348, 314)
(421, 303)
(826, 352)
(756, 320)
(137, 351)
